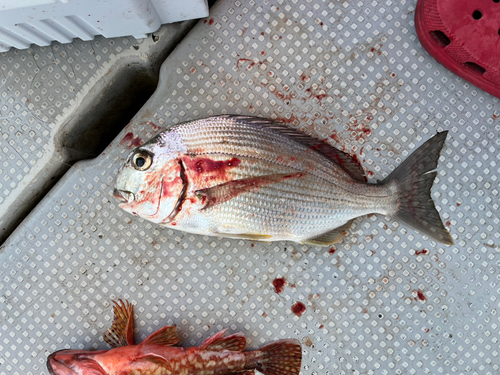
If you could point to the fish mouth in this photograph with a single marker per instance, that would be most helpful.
(58, 368)
(123, 196)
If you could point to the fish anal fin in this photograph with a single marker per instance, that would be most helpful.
(348, 163)
(121, 332)
(330, 237)
(252, 236)
(218, 194)
(157, 360)
(218, 342)
(164, 336)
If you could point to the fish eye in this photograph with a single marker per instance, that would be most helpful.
(142, 161)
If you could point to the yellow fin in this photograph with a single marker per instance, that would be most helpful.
(331, 237)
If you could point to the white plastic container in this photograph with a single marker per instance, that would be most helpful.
(43, 21)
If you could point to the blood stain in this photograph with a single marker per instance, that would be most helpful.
(206, 165)
(292, 286)
(332, 250)
(422, 252)
(298, 309)
(128, 137)
(421, 296)
(458, 204)
(448, 223)
(211, 22)
(279, 285)
(136, 142)
(264, 315)
(321, 326)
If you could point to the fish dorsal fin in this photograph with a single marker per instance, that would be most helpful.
(121, 332)
(164, 336)
(329, 238)
(342, 159)
(218, 342)
(218, 194)
(157, 360)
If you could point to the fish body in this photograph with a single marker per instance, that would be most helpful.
(156, 355)
(253, 178)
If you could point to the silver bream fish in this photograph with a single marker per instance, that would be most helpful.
(253, 178)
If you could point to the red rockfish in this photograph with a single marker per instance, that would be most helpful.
(156, 355)
(249, 177)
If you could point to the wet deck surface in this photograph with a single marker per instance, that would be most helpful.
(384, 300)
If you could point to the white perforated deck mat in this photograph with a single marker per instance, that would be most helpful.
(386, 300)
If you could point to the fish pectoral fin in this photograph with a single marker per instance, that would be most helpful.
(121, 332)
(331, 237)
(218, 342)
(164, 336)
(157, 360)
(218, 194)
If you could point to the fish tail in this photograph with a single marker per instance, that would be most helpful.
(414, 180)
(282, 357)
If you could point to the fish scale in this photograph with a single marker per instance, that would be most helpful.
(253, 178)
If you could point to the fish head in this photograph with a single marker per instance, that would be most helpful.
(151, 183)
(74, 362)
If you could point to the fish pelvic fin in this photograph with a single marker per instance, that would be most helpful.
(281, 358)
(218, 194)
(218, 343)
(164, 336)
(121, 332)
(414, 179)
(330, 237)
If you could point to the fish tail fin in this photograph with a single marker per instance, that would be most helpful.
(282, 357)
(414, 178)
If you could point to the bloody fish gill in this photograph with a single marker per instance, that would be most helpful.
(156, 355)
(253, 178)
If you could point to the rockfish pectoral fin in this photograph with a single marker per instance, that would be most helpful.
(281, 358)
(218, 194)
(156, 360)
(218, 342)
(329, 238)
(121, 332)
(164, 336)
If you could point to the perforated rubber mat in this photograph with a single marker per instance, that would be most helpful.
(385, 300)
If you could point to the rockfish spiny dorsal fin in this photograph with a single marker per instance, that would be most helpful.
(121, 332)
(218, 342)
(157, 360)
(164, 336)
(345, 161)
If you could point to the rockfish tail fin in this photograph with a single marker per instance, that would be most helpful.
(282, 357)
(414, 177)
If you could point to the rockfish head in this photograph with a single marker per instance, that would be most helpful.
(74, 362)
(151, 183)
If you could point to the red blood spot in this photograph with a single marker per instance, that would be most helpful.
(136, 142)
(458, 204)
(128, 137)
(335, 137)
(321, 326)
(244, 60)
(292, 286)
(304, 78)
(427, 330)
(154, 126)
(264, 315)
(206, 165)
(420, 295)
(262, 53)
(332, 250)
(393, 75)
(192, 70)
(279, 285)
(205, 21)
(173, 223)
(298, 309)
(321, 23)
(448, 223)
(370, 173)
(262, 33)
(252, 245)
(422, 252)
(280, 37)
(211, 22)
